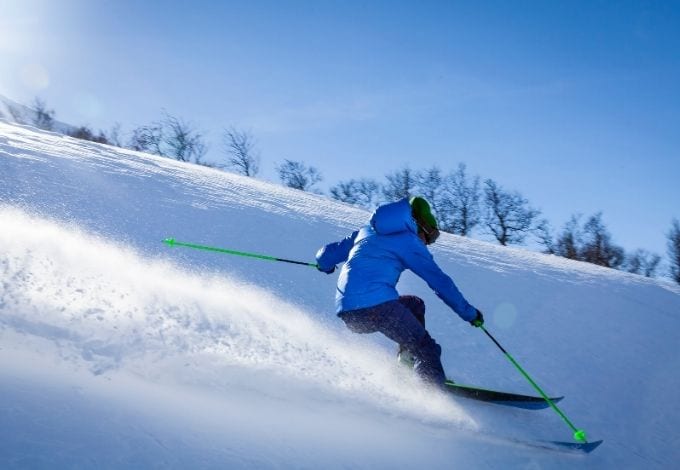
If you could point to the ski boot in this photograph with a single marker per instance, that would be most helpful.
(405, 358)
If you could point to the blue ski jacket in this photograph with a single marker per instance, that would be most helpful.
(377, 254)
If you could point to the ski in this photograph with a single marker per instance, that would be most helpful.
(559, 446)
(527, 402)
(563, 447)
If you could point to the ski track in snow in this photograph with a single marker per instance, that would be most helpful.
(116, 351)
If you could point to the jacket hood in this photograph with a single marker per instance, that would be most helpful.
(393, 218)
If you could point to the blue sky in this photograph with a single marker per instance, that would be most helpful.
(574, 104)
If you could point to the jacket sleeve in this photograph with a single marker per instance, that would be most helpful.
(333, 253)
(422, 263)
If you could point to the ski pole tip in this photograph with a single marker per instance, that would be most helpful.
(169, 241)
(580, 435)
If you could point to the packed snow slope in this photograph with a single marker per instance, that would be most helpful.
(117, 351)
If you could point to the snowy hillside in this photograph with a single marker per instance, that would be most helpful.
(117, 351)
(16, 113)
(12, 111)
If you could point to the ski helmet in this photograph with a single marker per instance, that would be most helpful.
(426, 221)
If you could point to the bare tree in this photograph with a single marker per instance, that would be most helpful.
(114, 135)
(674, 250)
(591, 242)
(298, 175)
(148, 139)
(43, 118)
(643, 262)
(508, 217)
(85, 133)
(598, 247)
(459, 211)
(240, 148)
(544, 233)
(430, 185)
(182, 141)
(363, 192)
(569, 243)
(400, 184)
(171, 137)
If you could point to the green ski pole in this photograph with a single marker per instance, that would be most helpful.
(579, 434)
(171, 242)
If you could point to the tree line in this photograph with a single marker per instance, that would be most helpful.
(464, 204)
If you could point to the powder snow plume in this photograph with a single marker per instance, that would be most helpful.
(109, 310)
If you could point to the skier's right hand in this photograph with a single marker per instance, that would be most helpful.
(478, 320)
(330, 270)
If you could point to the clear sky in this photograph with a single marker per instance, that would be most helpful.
(574, 104)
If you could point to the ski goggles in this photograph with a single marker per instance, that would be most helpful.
(431, 234)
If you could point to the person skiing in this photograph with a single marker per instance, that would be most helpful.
(374, 257)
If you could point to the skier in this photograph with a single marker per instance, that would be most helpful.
(366, 297)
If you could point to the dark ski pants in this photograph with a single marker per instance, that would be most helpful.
(402, 321)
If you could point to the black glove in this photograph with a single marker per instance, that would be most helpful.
(478, 320)
(330, 270)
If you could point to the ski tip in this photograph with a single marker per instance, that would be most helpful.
(591, 446)
(556, 399)
(579, 447)
(169, 241)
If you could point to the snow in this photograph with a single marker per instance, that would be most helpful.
(117, 351)
(16, 113)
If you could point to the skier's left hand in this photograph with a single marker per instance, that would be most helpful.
(478, 320)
